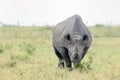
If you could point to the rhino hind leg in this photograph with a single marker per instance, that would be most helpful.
(61, 61)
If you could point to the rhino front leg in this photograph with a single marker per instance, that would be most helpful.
(61, 63)
(68, 62)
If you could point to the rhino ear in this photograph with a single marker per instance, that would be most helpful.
(85, 38)
(67, 37)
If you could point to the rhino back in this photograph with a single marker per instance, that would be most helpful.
(72, 25)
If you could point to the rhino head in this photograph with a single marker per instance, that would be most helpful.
(76, 46)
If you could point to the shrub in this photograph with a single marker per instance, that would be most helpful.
(84, 66)
(28, 47)
(1, 50)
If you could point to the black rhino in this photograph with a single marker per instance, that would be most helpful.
(71, 40)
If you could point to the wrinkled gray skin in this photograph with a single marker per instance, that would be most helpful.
(71, 40)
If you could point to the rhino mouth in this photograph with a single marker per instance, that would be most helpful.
(76, 61)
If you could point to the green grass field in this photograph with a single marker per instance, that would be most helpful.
(26, 53)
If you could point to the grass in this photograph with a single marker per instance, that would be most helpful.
(26, 53)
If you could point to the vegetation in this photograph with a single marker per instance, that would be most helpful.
(26, 53)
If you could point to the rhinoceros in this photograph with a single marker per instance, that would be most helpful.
(71, 40)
